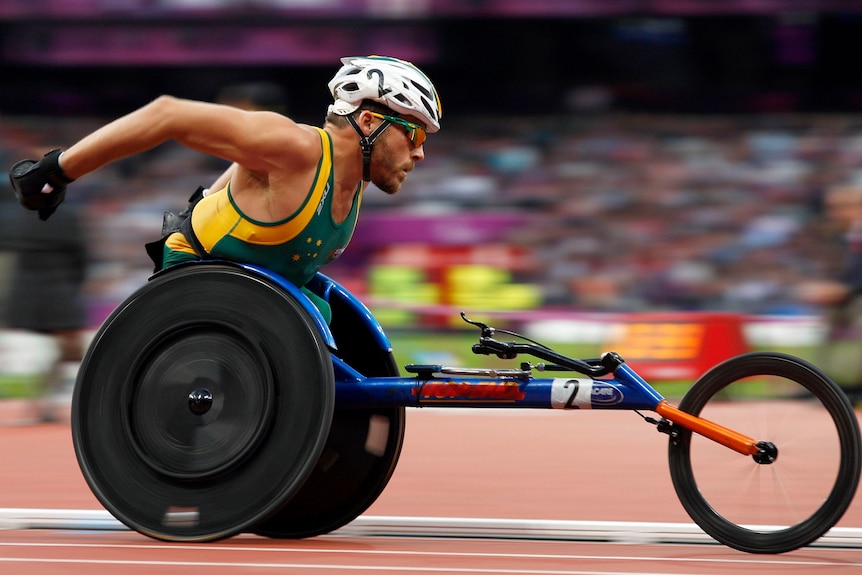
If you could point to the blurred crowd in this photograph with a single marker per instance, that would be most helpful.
(637, 213)
(625, 212)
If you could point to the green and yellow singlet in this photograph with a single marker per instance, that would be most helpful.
(295, 248)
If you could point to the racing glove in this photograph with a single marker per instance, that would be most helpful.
(40, 186)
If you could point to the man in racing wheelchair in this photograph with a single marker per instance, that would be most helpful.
(290, 199)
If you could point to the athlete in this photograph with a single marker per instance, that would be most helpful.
(290, 200)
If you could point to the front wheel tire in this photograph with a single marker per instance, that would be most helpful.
(768, 507)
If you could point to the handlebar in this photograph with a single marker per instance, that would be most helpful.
(488, 345)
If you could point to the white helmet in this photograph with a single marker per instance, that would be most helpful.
(394, 83)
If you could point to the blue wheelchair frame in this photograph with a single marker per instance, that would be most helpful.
(430, 387)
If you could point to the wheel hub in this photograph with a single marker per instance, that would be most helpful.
(200, 401)
(766, 454)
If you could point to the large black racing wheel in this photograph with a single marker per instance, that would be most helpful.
(804, 479)
(360, 454)
(203, 404)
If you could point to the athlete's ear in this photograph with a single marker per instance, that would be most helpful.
(366, 122)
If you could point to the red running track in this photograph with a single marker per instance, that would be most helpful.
(497, 464)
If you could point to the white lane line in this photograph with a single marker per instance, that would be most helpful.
(333, 567)
(212, 548)
(606, 531)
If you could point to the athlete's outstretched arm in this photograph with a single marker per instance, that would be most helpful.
(263, 146)
(259, 141)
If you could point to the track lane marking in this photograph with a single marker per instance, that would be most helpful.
(306, 566)
(754, 560)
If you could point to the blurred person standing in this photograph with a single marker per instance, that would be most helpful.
(7, 256)
(840, 354)
(45, 295)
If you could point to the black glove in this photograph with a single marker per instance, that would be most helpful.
(29, 177)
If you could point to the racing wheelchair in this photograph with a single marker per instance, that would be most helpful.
(216, 400)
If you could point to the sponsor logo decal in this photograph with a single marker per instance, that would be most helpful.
(604, 394)
(468, 391)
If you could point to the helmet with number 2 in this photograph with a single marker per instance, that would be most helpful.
(394, 83)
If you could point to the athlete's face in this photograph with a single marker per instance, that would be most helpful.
(392, 157)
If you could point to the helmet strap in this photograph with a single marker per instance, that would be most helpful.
(366, 143)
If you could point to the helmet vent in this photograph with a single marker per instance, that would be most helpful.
(422, 89)
(431, 111)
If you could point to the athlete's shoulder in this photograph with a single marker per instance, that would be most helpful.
(296, 146)
(313, 134)
(307, 139)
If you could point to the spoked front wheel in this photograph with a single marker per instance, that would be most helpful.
(791, 498)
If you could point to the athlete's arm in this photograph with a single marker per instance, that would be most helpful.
(261, 142)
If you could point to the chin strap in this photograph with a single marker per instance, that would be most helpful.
(366, 143)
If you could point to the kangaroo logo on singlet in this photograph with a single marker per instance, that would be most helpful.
(322, 199)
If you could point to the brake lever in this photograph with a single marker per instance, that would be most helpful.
(487, 331)
(509, 350)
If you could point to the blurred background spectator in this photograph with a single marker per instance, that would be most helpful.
(841, 297)
(44, 299)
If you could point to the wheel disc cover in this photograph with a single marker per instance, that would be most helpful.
(186, 439)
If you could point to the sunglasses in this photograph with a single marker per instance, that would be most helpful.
(415, 132)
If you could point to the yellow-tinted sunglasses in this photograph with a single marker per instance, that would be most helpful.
(415, 132)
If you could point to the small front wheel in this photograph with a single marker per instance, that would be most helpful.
(801, 488)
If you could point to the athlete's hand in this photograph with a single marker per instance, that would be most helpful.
(40, 185)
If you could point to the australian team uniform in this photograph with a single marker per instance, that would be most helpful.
(295, 247)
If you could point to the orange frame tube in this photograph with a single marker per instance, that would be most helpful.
(718, 433)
